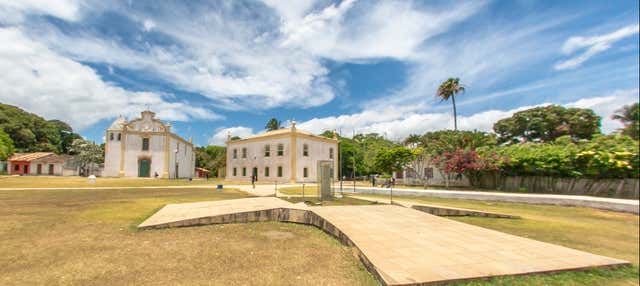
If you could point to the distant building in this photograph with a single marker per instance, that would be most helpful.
(283, 155)
(430, 176)
(202, 172)
(144, 147)
(39, 163)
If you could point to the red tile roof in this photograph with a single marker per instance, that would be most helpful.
(29, 156)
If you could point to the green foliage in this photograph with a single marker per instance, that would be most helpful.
(273, 124)
(87, 153)
(545, 124)
(370, 145)
(610, 156)
(31, 133)
(352, 158)
(629, 115)
(359, 152)
(6, 146)
(212, 158)
(394, 159)
(447, 141)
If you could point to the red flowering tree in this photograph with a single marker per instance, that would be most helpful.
(466, 162)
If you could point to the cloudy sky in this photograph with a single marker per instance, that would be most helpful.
(216, 66)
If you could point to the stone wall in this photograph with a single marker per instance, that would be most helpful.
(612, 188)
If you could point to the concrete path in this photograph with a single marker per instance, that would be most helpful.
(400, 246)
(436, 209)
(621, 205)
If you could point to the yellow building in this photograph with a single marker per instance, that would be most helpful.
(283, 155)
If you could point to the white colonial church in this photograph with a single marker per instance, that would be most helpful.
(145, 147)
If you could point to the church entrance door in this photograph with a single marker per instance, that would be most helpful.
(144, 166)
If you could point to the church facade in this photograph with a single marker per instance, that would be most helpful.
(145, 147)
(283, 155)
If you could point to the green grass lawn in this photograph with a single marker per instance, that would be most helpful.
(80, 237)
(601, 232)
(74, 182)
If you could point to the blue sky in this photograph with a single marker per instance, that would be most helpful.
(363, 66)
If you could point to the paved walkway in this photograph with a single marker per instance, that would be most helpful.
(436, 209)
(400, 246)
(621, 205)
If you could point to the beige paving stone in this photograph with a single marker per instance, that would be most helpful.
(404, 246)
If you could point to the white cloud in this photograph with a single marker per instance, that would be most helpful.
(43, 82)
(13, 11)
(592, 45)
(482, 58)
(148, 25)
(220, 135)
(397, 123)
(606, 105)
(361, 30)
(248, 61)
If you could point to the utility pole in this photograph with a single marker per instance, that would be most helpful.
(340, 158)
(354, 165)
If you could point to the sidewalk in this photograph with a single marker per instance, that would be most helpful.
(620, 205)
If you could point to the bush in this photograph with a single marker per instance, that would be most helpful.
(605, 156)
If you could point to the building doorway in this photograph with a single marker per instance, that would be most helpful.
(255, 173)
(39, 169)
(177, 168)
(50, 169)
(144, 167)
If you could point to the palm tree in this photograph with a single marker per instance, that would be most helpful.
(449, 89)
(273, 124)
(629, 115)
(412, 140)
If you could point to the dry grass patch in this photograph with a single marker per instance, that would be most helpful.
(79, 237)
(82, 182)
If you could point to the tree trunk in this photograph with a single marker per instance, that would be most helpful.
(455, 114)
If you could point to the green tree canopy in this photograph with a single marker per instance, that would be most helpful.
(447, 141)
(273, 124)
(545, 124)
(6, 146)
(31, 133)
(629, 115)
(212, 158)
(87, 153)
(394, 159)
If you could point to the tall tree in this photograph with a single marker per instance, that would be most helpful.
(412, 140)
(546, 123)
(437, 143)
(88, 153)
(273, 124)
(394, 159)
(448, 89)
(6, 146)
(629, 115)
(212, 158)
